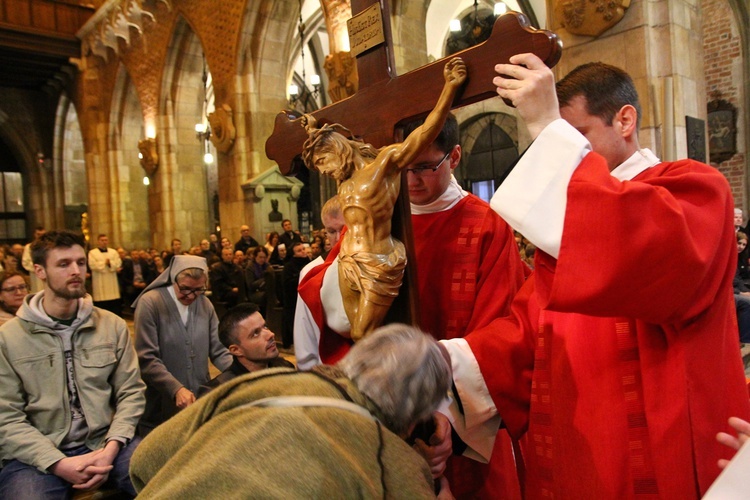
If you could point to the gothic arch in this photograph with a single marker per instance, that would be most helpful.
(181, 169)
(125, 130)
(68, 164)
(475, 131)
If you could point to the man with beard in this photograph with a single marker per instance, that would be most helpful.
(63, 351)
(244, 333)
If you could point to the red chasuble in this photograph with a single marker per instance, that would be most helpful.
(636, 363)
(468, 271)
(332, 346)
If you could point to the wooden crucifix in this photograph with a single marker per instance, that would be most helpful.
(384, 101)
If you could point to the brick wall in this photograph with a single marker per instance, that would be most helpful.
(723, 66)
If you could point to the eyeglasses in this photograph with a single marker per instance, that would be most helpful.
(14, 289)
(187, 291)
(428, 169)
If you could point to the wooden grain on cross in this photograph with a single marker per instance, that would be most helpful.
(377, 108)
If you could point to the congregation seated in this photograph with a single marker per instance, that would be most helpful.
(244, 332)
(135, 275)
(255, 277)
(13, 289)
(272, 241)
(741, 291)
(290, 278)
(208, 253)
(227, 280)
(334, 432)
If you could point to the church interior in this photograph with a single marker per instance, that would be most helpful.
(147, 119)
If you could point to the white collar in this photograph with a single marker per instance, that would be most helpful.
(637, 163)
(452, 195)
(181, 308)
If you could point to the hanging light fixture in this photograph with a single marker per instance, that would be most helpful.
(473, 29)
(295, 92)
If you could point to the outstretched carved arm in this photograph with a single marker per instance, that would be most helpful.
(421, 138)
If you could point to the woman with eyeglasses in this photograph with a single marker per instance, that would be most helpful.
(13, 289)
(176, 334)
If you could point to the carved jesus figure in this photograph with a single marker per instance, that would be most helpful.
(371, 261)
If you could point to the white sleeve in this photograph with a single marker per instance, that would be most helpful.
(96, 261)
(306, 337)
(333, 302)
(533, 197)
(479, 422)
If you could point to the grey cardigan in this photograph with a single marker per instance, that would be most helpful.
(172, 355)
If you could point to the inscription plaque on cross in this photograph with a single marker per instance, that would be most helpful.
(384, 101)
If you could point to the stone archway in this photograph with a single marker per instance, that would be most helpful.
(125, 130)
(490, 146)
(69, 164)
(178, 196)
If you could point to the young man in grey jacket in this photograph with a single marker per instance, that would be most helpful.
(72, 394)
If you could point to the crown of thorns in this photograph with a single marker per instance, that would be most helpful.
(315, 135)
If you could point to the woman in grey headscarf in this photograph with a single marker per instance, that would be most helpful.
(176, 332)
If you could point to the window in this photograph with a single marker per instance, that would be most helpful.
(12, 210)
(483, 189)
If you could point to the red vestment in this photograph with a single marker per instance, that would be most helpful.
(468, 271)
(636, 363)
(331, 346)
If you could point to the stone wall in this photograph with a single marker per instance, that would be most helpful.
(724, 80)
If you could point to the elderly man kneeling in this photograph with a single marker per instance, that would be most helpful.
(336, 431)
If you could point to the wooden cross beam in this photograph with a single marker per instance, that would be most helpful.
(383, 101)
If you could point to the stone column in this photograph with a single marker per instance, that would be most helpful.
(659, 44)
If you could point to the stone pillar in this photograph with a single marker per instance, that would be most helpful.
(177, 199)
(659, 43)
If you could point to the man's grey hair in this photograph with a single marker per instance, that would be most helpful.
(402, 370)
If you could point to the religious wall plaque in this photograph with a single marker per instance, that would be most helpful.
(696, 138)
(366, 30)
(590, 17)
(722, 130)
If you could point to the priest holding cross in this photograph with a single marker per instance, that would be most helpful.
(635, 364)
(371, 261)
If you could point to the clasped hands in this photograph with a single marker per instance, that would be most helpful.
(87, 471)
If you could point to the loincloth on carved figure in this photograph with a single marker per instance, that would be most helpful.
(377, 276)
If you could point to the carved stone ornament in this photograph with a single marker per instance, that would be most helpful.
(222, 128)
(112, 22)
(149, 156)
(722, 130)
(343, 79)
(590, 17)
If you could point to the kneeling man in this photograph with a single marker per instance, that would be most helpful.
(336, 431)
(244, 333)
